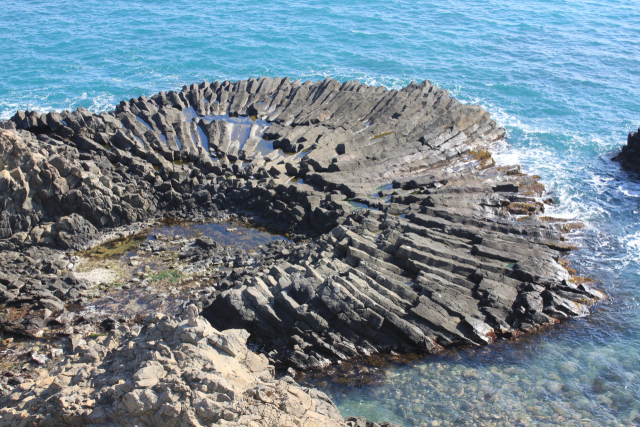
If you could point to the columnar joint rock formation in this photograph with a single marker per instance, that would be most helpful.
(419, 240)
(175, 148)
(430, 280)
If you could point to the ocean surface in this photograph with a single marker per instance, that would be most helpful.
(563, 77)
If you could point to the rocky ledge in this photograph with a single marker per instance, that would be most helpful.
(408, 235)
(168, 372)
(629, 156)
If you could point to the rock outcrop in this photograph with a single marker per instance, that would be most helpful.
(35, 278)
(629, 156)
(53, 194)
(178, 150)
(170, 372)
(429, 280)
(419, 241)
(66, 177)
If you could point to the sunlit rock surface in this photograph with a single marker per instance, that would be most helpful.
(418, 239)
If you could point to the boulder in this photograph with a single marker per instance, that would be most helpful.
(74, 232)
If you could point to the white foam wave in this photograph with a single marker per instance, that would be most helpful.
(630, 189)
(506, 154)
(8, 109)
(342, 74)
(509, 120)
(634, 243)
(631, 242)
(600, 183)
(573, 192)
(93, 102)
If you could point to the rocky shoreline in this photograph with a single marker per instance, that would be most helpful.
(406, 237)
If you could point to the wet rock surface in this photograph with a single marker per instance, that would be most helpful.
(406, 234)
(629, 156)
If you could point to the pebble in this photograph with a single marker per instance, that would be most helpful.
(569, 367)
(39, 358)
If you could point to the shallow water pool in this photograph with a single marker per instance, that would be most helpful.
(234, 234)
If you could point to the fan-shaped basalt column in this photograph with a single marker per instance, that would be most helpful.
(438, 276)
(438, 258)
(346, 137)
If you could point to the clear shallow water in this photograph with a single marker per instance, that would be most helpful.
(224, 233)
(562, 76)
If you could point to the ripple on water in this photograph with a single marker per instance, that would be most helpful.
(505, 384)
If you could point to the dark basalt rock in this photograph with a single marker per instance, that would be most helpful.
(119, 167)
(629, 156)
(451, 253)
(430, 280)
(362, 422)
(74, 232)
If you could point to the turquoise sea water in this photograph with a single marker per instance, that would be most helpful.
(562, 76)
